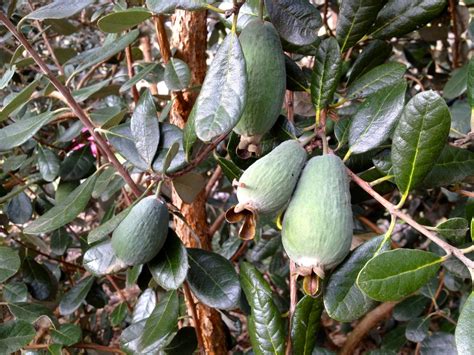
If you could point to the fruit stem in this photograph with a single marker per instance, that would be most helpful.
(348, 155)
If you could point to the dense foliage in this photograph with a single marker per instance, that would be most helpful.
(162, 161)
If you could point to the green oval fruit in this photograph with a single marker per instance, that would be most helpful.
(266, 82)
(266, 186)
(317, 226)
(140, 236)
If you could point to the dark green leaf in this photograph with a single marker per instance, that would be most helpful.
(229, 168)
(48, 163)
(398, 17)
(296, 78)
(355, 20)
(417, 329)
(378, 78)
(376, 117)
(15, 292)
(65, 211)
(465, 327)
(297, 21)
(395, 274)
(266, 329)
(101, 259)
(101, 232)
(107, 184)
(457, 83)
(162, 6)
(305, 324)
(142, 74)
(67, 334)
(161, 323)
(264, 248)
(19, 100)
(212, 279)
(376, 53)
(83, 94)
(223, 94)
(170, 267)
(29, 312)
(410, 308)
(440, 343)
(189, 186)
(119, 21)
(77, 165)
(19, 210)
(470, 83)
(19, 132)
(343, 299)
(60, 241)
(419, 138)
(73, 299)
(170, 155)
(55, 349)
(189, 136)
(130, 337)
(454, 229)
(341, 131)
(59, 9)
(41, 283)
(118, 314)
(9, 263)
(452, 166)
(326, 73)
(14, 335)
(145, 129)
(184, 342)
(177, 75)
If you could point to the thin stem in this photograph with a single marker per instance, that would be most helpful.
(72, 103)
(131, 72)
(119, 291)
(388, 233)
(260, 9)
(194, 316)
(452, 10)
(392, 209)
(382, 179)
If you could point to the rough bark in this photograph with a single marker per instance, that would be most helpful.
(190, 39)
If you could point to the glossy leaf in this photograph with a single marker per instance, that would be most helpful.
(14, 335)
(101, 232)
(305, 324)
(184, 342)
(145, 305)
(67, 334)
(376, 117)
(229, 168)
(222, 98)
(59, 9)
(19, 209)
(297, 21)
(212, 279)
(465, 327)
(417, 329)
(170, 267)
(29, 312)
(118, 314)
(19, 100)
(177, 75)
(119, 21)
(9, 263)
(19, 132)
(410, 308)
(73, 299)
(65, 211)
(326, 73)
(376, 79)
(399, 17)
(7, 76)
(15, 292)
(375, 54)
(452, 166)
(77, 165)
(439, 343)
(101, 259)
(41, 283)
(266, 330)
(145, 128)
(161, 323)
(419, 138)
(457, 83)
(355, 20)
(164, 6)
(453, 229)
(395, 274)
(60, 241)
(343, 299)
(48, 163)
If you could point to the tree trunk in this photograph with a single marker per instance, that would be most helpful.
(190, 38)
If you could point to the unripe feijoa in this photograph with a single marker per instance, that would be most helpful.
(266, 186)
(140, 236)
(317, 226)
(266, 81)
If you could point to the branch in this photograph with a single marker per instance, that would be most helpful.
(448, 248)
(72, 103)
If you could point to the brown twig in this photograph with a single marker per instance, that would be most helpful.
(215, 177)
(194, 316)
(416, 80)
(131, 72)
(371, 225)
(452, 10)
(365, 325)
(241, 251)
(162, 38)
(88, 75)
(119, 291)
(72, 103)
(216, 224)
(448, 248)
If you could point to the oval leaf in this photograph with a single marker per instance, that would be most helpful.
(164, 6)
(48, 163)
(177, 75)
(419, 139)
(212, 279)
(297, 21)
(170, 267)
(375, 54)
(67, 334)
(101, 259)
(65, 211)
(305, 324)
(465, 327)
(395, 274)
(14, 335)
(223, 94)
(123, 20)
(9, 263)
(73, 299)
(343, 299)
(59, 9)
